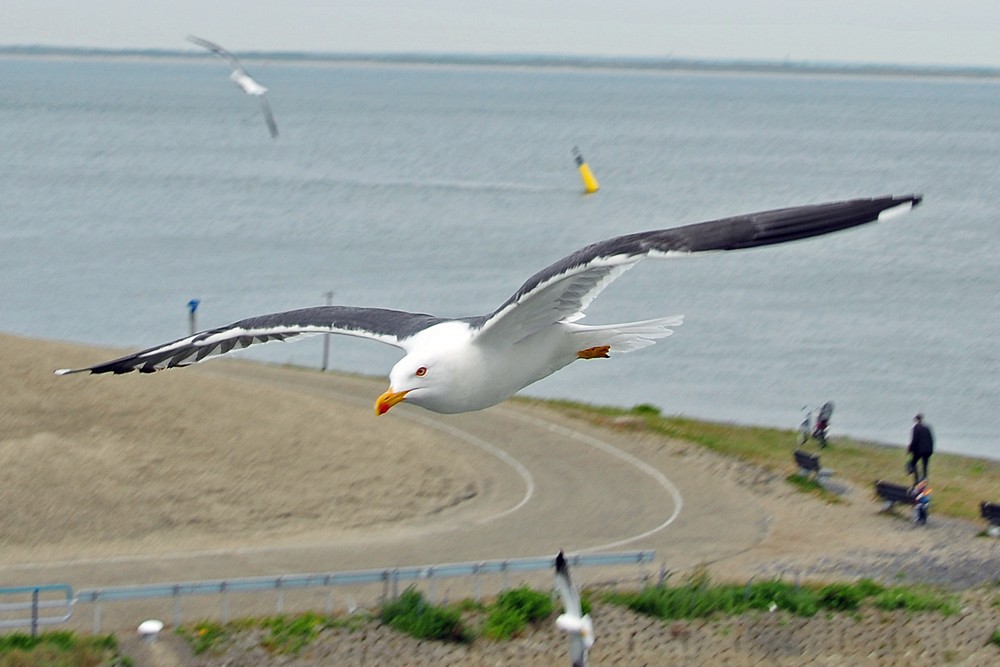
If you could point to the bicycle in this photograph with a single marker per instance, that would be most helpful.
(805, 428)
(817, 431)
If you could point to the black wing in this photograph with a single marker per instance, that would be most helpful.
(563, 290)
(392, 327)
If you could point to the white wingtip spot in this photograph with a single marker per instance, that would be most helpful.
(895, 211)
(62, 371)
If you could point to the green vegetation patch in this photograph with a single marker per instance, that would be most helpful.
(809, 484)
(916, 598)
(848, 597)
(697, 598)
(290, 634)
(514, 610)
(279, 635)
(413, 615)
(206, 636)
(60, 649)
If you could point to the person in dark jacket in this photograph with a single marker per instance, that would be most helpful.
(921, 447)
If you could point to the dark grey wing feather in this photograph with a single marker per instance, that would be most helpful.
(268, 116)
(561, 291)
(219, 51)
(571, 605)
(392, 327)
(773, 227)
(564, 585)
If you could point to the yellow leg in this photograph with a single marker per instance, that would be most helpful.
(599, 352)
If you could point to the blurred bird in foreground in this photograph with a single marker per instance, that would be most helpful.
(240, 77)
(573, 621)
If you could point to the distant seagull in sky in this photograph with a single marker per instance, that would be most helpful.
(470, 363)
(241, 79)
(573, 621)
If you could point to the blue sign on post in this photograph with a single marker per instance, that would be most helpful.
(192, 306)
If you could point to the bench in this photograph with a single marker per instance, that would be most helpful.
(893, 493)
(809, 464)
(991, 512)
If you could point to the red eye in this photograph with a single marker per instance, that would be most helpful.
(422, 371)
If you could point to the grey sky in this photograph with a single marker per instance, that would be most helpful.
(925, 32)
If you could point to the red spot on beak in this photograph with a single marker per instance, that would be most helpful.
(389, 399)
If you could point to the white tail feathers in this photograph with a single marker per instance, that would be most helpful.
(627, 336)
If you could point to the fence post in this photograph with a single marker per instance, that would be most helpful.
(430, 585)
(34, 613)
(225, 603)
(281, 596)
(177, 606)
(97, 615)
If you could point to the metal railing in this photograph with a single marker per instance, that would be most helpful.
(34, 600)
(389, 578)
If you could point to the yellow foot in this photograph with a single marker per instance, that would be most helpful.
(599, 352)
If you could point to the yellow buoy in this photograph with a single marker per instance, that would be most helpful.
(589, 182)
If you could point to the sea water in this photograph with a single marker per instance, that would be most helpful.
(130, 187)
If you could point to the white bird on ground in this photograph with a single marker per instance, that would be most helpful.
(240, 77)
(573, 621)
(465, 364)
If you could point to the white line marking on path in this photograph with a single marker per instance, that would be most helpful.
(475, 441)
(610, 449)
(454, 431)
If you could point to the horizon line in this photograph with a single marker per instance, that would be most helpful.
(666, 62)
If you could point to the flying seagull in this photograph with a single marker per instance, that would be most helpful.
(573, 621)
(471, 363)
(241, 79)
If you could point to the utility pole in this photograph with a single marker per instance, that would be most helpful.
(326, 337)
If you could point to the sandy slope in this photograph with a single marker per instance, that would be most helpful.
(227, 455)
(92, 463)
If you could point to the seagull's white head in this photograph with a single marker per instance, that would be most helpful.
(436, 372)
(415, 379)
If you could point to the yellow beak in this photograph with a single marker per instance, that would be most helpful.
(387, 400)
